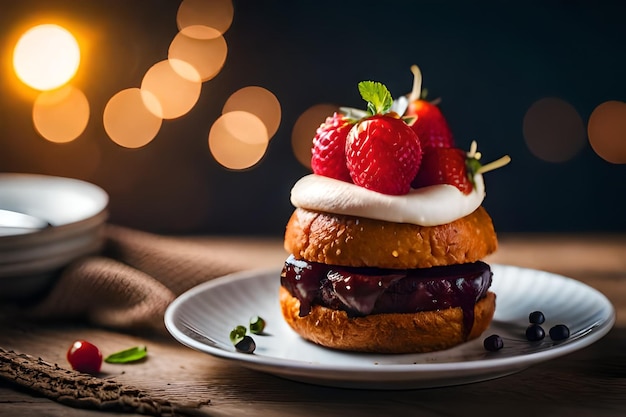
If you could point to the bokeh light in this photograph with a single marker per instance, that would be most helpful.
(127, 120)
(553, 130)
(46, 57)
(607, 131)
(304, 130)
(203, 19)
(238, 140)
(172, 87)
(176, 94)
(61, 115)
(258, 101)
(207, 56)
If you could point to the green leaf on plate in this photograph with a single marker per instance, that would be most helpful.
(129, 355)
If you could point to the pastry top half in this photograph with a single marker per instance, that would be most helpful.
(355, 241)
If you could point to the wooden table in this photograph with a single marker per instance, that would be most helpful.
(590, 382)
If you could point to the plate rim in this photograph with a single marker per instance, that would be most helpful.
(98, 198)
(284, 366)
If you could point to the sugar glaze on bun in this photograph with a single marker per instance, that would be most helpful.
(355, 241)
(393, 333)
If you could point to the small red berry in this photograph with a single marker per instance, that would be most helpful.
(444, 166)
(84, 357)
(383, 154)
(328, 156)
(454, 167)
(430, 125)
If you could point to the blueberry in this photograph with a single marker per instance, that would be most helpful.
(535, 332)
(493, 343)
(536, 317)
(559, 332)
(246, 345)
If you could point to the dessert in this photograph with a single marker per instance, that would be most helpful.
(388, 233)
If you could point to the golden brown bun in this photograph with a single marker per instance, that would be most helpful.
(426, 331)
(353, 241)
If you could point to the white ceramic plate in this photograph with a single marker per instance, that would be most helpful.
(203, 317)
(66, 203)
(30, 259)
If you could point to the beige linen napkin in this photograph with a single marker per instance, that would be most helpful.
(129, 286)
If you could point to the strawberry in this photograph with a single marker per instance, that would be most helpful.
(430, 124)
(328, 156)
(444, 166)
(383, 153)
(453, 166)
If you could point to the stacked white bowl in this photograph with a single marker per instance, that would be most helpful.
(73, 213)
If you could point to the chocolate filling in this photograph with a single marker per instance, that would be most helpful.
(364, 291)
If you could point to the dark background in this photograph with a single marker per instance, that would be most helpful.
(489, 61)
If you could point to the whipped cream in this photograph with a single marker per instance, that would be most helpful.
(428, 206)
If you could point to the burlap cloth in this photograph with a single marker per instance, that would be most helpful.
(130, 284)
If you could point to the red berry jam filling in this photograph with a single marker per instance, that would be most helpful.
(364, 291)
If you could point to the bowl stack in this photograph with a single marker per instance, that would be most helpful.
(72, 213)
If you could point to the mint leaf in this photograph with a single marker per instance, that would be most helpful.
(378, 97)
(129, 355)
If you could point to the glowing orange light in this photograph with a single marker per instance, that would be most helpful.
(207, 56)
(61, 115)
(46, 57)
(238, 140)
(607, 131)
(176, 94)
(553, 130)
(258, 101)
(127, 120)
(304, 130)
(202, 19)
